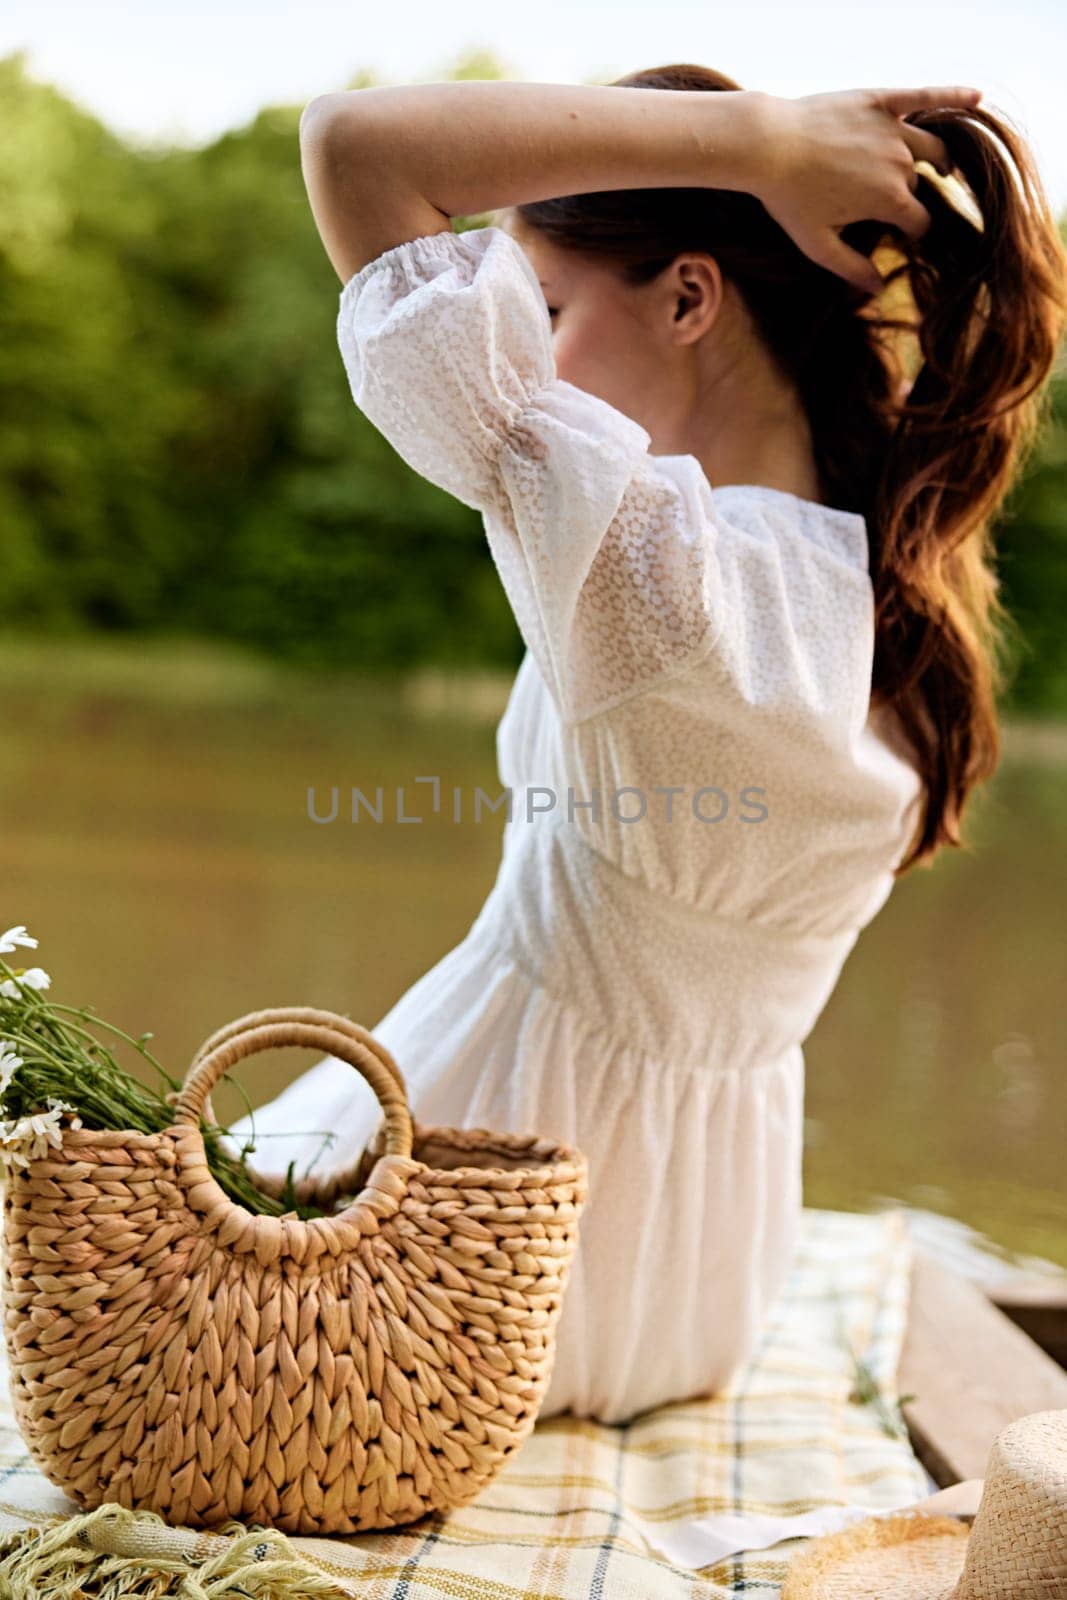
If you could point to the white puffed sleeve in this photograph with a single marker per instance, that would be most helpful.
(610, 571)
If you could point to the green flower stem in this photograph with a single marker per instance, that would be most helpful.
(99, 1022)
(62, 1059)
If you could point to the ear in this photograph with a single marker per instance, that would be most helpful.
(697, 290)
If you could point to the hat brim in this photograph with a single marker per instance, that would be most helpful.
(909, 1556)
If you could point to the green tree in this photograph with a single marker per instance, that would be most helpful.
(1032, 546)
(181, 450)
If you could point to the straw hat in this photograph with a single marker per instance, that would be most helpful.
(1016, 1550)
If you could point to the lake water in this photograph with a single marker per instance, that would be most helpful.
(154, 835)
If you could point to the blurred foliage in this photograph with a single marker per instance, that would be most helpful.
(1032, 563)
(181, 448)
(181, 451)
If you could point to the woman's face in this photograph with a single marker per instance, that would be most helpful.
(632, 346)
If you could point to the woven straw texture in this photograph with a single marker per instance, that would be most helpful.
(582, 1508)
(171, 1351)
(912, 1556)
(1017, 1549)
(1018, 1544)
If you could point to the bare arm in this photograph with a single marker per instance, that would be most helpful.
(391, 163)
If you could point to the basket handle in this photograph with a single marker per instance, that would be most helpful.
(309, 1028)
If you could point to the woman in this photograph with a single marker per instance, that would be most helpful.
(750, 566)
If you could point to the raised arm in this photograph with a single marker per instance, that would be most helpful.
(396, 162)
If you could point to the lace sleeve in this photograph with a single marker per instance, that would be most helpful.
(447, 345)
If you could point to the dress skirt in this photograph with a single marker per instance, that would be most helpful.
(694, 1200)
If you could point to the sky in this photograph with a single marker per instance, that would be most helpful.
(157, 70)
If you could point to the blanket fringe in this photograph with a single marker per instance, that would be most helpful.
(67, 1562)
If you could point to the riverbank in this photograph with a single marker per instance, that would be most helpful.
(180, 671)
(186, 672)
(154, 833)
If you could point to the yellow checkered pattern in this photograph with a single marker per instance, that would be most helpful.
(589, 1511)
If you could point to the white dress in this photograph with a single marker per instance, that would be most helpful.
(704, 816)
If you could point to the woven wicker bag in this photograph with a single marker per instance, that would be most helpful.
(172, 1351)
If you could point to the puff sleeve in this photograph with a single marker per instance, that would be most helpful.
(609, 569)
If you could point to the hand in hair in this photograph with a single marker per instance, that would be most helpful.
(830, 159)
(391, 162)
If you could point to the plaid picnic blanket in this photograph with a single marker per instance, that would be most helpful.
(699, 1499)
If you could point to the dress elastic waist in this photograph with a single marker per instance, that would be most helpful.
(668, 976)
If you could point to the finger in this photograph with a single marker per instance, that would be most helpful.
(927, 147)
(901, 101)
(909, 215)
(831, 251)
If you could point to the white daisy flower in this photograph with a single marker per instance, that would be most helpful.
(12, 1155)
(35, 978)
(28, 1139)
(14, 1144)
(10, 940)
(10, 1061)
(27, 978)
(45, 1125)
(61, 1107)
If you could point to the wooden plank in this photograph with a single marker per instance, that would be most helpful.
(971, 1370)
(1039, 1307)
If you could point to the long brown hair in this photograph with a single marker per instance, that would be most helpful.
(970, 319)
